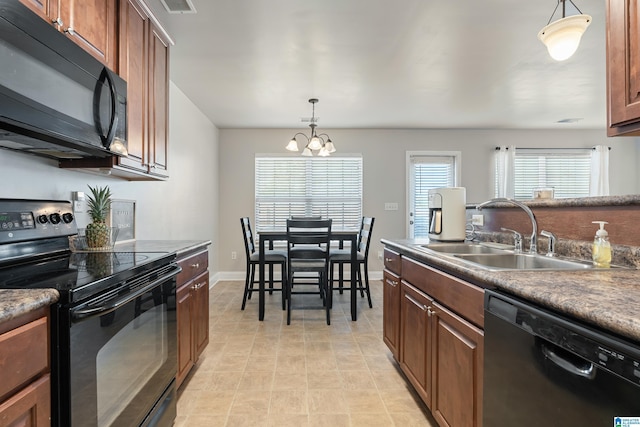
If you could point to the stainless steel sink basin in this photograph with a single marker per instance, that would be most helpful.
(511, 261)
(464, 248)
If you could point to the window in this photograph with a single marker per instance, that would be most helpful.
(428, 170)
(308, 186)
(566, 171)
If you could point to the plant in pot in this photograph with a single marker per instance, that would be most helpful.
(98, 233)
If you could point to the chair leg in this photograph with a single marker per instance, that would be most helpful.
(329, 300)
(366, 284)
(246, 287)
(270, 279)
(283, 271)
(360, 285)
(341, 277)
(289, 283)
(252, 280)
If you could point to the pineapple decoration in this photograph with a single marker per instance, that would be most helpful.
(98, 232)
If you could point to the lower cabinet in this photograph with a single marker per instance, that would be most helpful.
(25, 387)
(440, 343)
(192, 297)
(391, 311)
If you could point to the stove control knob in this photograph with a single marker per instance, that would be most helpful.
(43, 219)
(55, 218)
(67, 217)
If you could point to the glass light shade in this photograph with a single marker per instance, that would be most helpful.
(330, 147)
(562, 37)
(323, 152)
(307, 152)
(292, 145)
(315, 143)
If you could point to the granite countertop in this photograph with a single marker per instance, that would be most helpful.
(14, 302)
(608, 299)
(625, 200)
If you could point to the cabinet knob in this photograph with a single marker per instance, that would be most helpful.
(70, 31)
(196, 265)
(388, 260)
(57, 22)
(392, 282)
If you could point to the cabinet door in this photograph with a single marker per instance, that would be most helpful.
(184, 310)
(158, 102)
(415, 340)
(623, 66)
(134, 30)
(201, 313)
(92, 25)
(456, 370)
(30, 407)
(391, 311)
(46, 9)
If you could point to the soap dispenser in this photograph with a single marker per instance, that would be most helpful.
(601, 253)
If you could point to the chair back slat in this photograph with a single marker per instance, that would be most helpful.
(308, 232)
(364, 237)
(247, 234)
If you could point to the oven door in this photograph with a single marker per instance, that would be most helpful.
(121, 362)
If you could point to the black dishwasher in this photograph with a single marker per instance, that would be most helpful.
(543, 369)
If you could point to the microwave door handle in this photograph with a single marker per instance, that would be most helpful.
(108, 139)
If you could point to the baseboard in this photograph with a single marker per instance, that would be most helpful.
(240, 276)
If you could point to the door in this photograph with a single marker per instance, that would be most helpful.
(425, 171)
(415, 353)
(458, 349)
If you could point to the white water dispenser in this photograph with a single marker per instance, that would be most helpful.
(447, 214)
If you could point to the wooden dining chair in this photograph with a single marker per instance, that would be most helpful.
(272, 257)
(308, 261)
(340, 257)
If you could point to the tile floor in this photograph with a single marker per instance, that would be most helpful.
(305, 374)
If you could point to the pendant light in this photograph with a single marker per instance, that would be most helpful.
(562, 37)
(315, 142)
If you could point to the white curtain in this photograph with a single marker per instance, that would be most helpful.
(505, 160)
(599, 183)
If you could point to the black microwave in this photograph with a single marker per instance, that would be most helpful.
(56, 100)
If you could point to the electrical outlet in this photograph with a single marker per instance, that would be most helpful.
(390, 206)
(234, 255)
(477, 220)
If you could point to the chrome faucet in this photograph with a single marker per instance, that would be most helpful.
(517, 240)
(552, 242)
(533, 247)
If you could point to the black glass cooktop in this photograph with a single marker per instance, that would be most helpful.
(78, 276)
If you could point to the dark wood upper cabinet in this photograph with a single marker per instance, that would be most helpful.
(91, 24)
(623, 68)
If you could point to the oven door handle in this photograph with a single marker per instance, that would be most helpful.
(83, 314)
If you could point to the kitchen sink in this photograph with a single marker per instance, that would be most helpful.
(465, 248)
(511, 261)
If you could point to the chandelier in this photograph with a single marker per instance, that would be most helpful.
(319, 143)
(562, 37)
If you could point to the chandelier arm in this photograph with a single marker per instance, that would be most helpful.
(300, 133)
(574, 5)
(554, 11)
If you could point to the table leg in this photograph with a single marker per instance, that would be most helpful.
(354, 284)
(261, 280)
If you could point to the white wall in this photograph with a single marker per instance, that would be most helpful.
(184, 207)
(384, 157)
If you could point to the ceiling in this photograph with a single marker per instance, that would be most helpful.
(386, 64)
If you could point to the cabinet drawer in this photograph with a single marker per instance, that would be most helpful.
(462, 297)
(392, 261)
(24, 354)
(192, 266)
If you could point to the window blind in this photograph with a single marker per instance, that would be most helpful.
(428, 172)
(566, 171)
(308, 186)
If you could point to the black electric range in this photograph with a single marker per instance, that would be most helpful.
(113, 330)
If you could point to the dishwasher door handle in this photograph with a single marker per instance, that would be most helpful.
(589, 372)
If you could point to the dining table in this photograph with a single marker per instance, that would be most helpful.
(276, 235)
